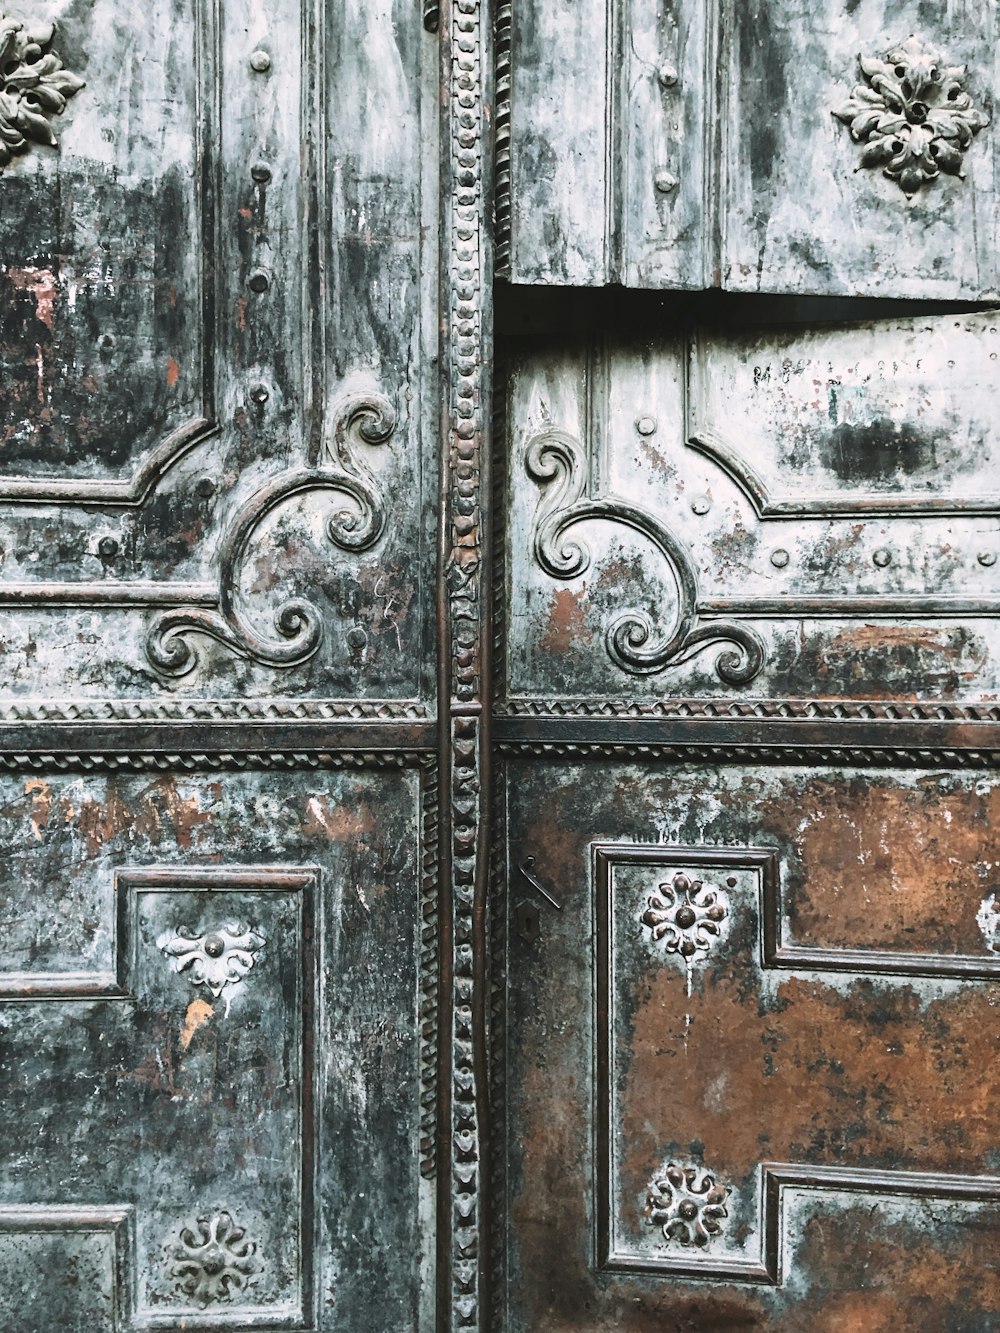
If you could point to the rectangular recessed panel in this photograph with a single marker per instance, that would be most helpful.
(695, 1124)
(188, 1092)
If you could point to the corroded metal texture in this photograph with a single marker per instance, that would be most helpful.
(801, 514)
(174, 1149)
(217, 468)
(666, 144)
(792, 1128)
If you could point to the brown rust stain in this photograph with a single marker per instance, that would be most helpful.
(566, 621)
(173, 373)
(196, 1015)
(865, 1075)
(41, 806)
(41, 282)
(886, 866)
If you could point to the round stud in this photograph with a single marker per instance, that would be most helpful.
(260, 394)
(701, 504)
(666, 182)
(215, 946)
(646, 425)
(987, 558)
(260, 61)
(260, 173)
(205, 488)
(107, 548)
(882, 558)
(259, 280)
(780, 558)
(668, 75)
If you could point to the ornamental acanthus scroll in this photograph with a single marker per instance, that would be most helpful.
(34, 86)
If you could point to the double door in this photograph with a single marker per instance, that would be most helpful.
(499, 779)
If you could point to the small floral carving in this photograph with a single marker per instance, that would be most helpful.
(686, 915)
(219, 959)
(687, 1204)
(913, 115)
(34, 87)
(214, 1259)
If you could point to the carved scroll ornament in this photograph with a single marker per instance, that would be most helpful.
(555, 460)
(34, 87)
(356, 528)
(913, 115)
(686, 915)
(218, 959)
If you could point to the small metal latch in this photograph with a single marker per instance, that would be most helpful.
(527, 914)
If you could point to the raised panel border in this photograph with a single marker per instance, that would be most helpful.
(775, 1178)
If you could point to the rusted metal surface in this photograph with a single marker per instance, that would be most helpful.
(208, 1013)
(794, 514)
(770, 1140)
(219, 475)
(726, 144)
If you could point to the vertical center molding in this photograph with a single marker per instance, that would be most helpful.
(463, 1241)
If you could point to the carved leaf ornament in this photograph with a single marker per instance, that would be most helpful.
(34, 87)
(219, 959)
(214, 1259)
(913, 115)
(687, 1204)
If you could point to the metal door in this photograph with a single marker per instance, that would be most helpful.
(232, 834)
(747, 898)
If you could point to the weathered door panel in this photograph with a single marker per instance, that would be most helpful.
(758, 147)
(211, 1055)
(219, 469)
(795, 514)
(217, 302)
(750, 1061)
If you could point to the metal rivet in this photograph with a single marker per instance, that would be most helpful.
(260, 393)
(259, 280)
(987, 558)
(646, 425)
(882, 557)
(260, 173)
(260, 61)
(780, 558)
(107, 548)
(701, 504)
(107, 342)
(666, 181)
(668, 75)
(205, 488)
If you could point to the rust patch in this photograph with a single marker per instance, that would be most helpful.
(566, 622)
(41, 282)
(885, 866)
(196, 1015)
(173, 373)
(336, 822)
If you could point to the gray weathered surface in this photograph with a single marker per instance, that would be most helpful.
(821, 504)
(217, 300)
(167, 1102)
(710, 155)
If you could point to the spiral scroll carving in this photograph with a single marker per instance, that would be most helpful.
(634, 642)
(354, 528)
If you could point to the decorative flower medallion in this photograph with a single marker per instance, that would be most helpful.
(913, 115)
(687, 914)
(687, 1204)
(219, 959)
(34, 86)
(214, 1259)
